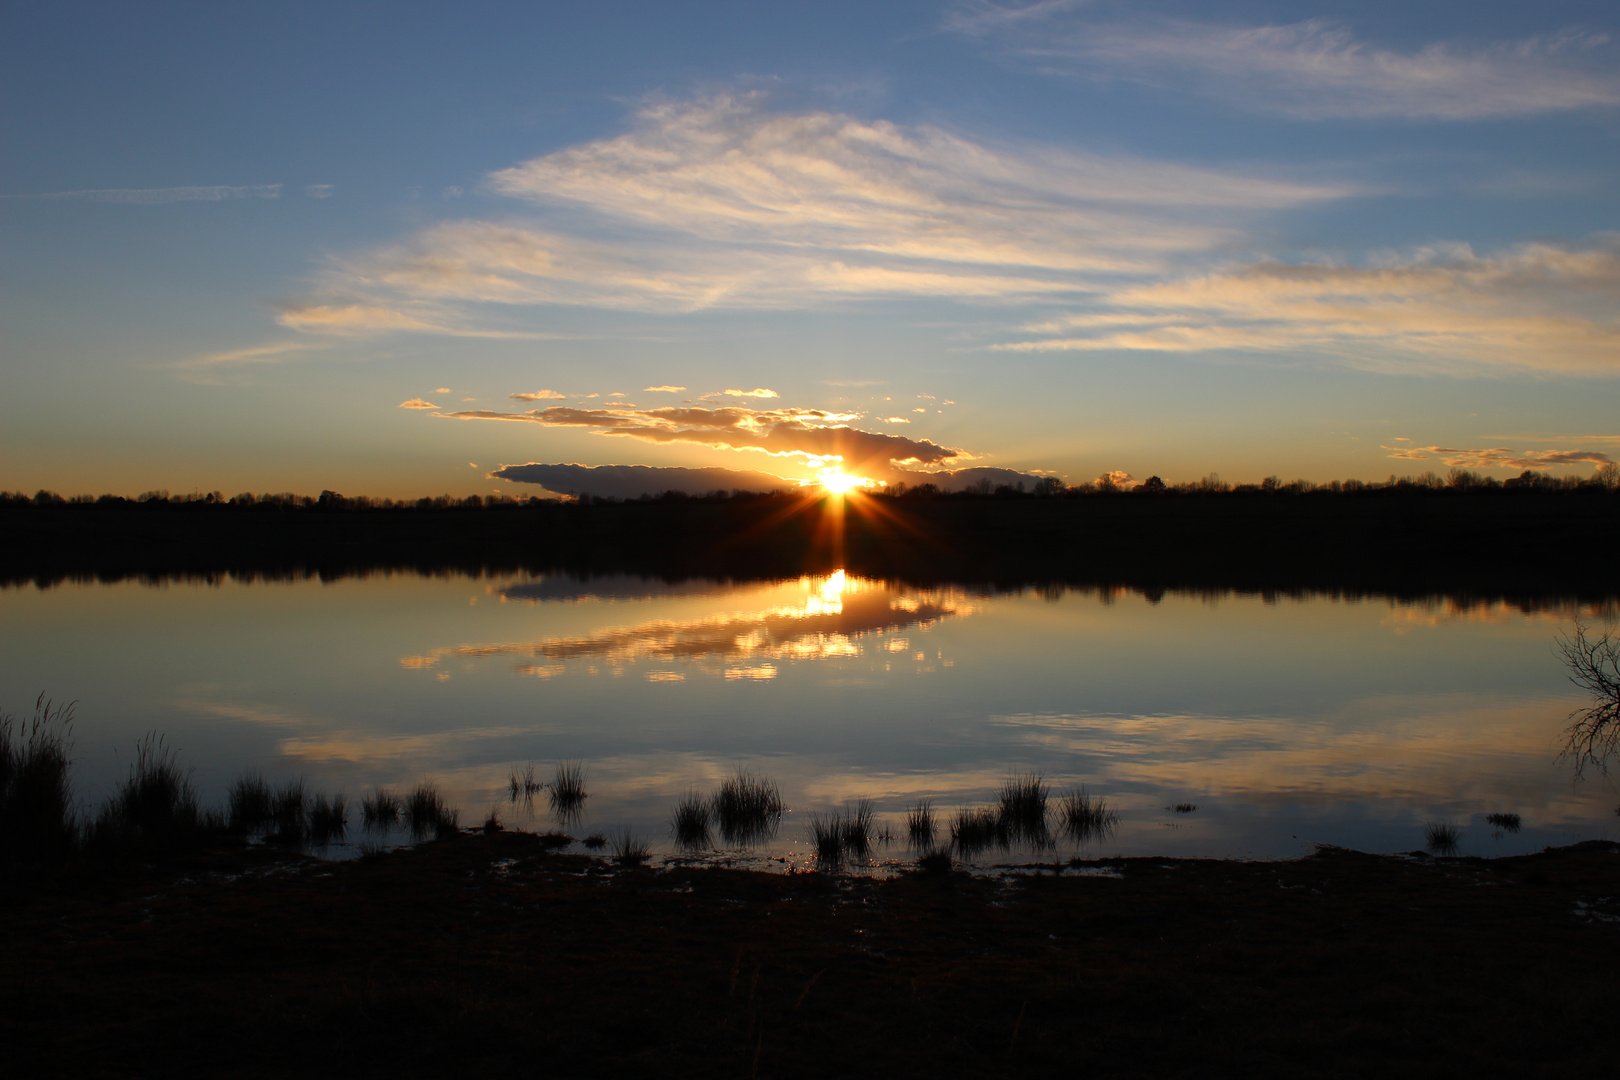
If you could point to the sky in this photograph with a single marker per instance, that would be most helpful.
(391, 249)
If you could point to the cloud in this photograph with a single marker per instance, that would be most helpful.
(1311, 70)
(817, 436)
(371, 318)
(1537, 307)
(540, 395)
(758, 391)
(442, 390)
(631, 481)
(159, 196)
(222, 367)
(417, 403)
(1500, 457)
(662, 389)
(320, 191)
(720, 203)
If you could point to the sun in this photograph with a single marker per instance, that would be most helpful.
(838, 482)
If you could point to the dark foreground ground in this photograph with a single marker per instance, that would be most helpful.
(494, 956)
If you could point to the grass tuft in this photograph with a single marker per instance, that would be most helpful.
(935, 862)
(629, 851)
(595, 841)
(36, 802)
(1023, 807)
(1086, 818)
(976, 831)
(1182, 808)
(1441, 838)
(380, 809)
(250, 803)
(692, 822)
(568, 792)
(427, 814)
(290, 813)
(748, 808)
(329, 819)
(154, 813)
(920, 828)
(1505, 822)
(523, 784)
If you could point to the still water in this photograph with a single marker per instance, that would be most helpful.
(1286, 722)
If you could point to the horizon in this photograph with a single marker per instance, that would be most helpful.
(418, 250)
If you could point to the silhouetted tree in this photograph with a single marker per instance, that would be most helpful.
(1594, 666)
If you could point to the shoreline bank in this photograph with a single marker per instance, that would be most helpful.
(500, 951)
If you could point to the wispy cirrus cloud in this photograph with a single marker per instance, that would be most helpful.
(1499, 457)
(816, 436)
(1312, 70)
(721, 203)
(1535, 307)
(159, 196)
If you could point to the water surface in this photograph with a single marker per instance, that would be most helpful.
(1287, 722)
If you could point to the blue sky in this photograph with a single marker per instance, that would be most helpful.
(1313, 240)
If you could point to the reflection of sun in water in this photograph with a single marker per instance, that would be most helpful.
(828, 597)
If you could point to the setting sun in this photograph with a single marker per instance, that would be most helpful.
(838, 482)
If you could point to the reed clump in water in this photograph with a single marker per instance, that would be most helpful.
(1505, 822)
(568, 794)
(380, 809)
(628, 850)
(843, 833)
(523, 784)
(1022, 806)
(250, 803)
(427, 814)
(1441, 838)
(155, 811)
(693, 821)
(329, 818)
(920, 827)
(37, 823)
(976, 831)
(1085, 817)
(748, 808)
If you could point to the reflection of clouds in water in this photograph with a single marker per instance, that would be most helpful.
(1459, 749)
(753, 674)
(827, 623)
(1404, 618)
(360, 747)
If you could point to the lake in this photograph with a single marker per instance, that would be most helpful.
(1284, 721)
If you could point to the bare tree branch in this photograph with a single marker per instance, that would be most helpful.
(1594, 666)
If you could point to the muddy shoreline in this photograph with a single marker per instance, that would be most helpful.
(503, 951)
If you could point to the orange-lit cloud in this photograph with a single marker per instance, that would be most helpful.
(662, 389)
(540, 395)
(758, 391)
(816, 435)
(1499, 457)
(1309, 70)
(720, 203)
(417, 403)
(1534, 307)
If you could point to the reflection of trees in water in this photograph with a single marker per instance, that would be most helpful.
(1594, 666)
